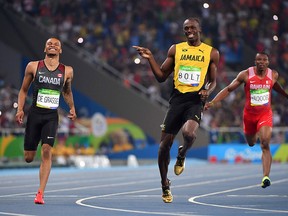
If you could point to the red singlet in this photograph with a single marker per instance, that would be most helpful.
(257, 110)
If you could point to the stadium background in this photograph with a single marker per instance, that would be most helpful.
(120, 106)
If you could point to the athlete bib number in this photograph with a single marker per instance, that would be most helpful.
(189, 75)
(48, 98)
(259, 97)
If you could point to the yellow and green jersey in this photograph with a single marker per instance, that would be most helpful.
(191, 66)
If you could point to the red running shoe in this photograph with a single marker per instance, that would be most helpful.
(39, 198)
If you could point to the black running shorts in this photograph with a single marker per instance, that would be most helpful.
(181, 109)
(40, 127)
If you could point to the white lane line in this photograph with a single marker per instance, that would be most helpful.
(57, 196)
(258, 196)
(193, 199)
(80, 202)
(13, 214)
(89, 187)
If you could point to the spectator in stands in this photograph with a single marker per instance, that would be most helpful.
(103, 25)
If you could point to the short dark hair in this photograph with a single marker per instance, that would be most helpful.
(263, 53)
(195, 19)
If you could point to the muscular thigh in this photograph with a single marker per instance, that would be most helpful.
(172, 121)
(249, 123)
(32, 132)
(266, 119)
(178, 114)
(40, 127)
(253, 122)
(193, 112)
(50, 125)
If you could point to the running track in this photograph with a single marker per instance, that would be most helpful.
(203, 189)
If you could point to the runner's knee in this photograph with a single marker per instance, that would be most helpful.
(28, 158)
(46, 152)
(189, 137)
(264, 144)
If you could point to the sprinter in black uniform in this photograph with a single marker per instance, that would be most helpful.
(194, 64)
(50, 79)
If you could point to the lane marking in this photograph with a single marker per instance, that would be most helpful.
(204, 174)
(193, 199)
(259, 196)
(81, 201)
(13, 214)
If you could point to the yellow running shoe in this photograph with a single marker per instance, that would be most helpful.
(167, 196)
(166, 193)
(179, 165)
(265, 182)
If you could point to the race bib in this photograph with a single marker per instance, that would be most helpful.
(189, 75)
(48, 98)
(259, 97)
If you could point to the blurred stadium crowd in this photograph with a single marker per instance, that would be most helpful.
(108, 29)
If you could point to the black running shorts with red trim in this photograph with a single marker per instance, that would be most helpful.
(40, 127)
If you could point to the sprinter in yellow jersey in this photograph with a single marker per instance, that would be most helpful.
(194, 64)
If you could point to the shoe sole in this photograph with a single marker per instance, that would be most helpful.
(167, 199)
(170, 200)
(36, 201)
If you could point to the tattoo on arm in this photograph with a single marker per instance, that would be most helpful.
(67, 93)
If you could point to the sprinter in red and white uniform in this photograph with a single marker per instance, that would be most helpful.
(258, 80)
